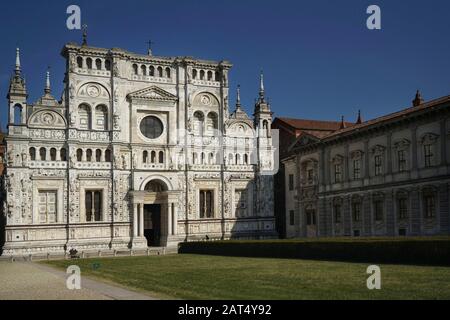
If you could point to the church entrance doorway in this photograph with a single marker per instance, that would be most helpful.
(152, 224)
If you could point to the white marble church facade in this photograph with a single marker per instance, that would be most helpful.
(140, 151)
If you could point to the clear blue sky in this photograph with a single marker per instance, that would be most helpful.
(319, 59)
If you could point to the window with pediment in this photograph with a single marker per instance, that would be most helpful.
(356, 163)
(338, 163)
(429, 149)
(402, 205)
(378, 154)
(401, 153)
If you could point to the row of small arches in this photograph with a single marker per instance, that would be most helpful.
(150, 157)
(89, 155)
(97, 64)
(205, 75)
(48, 154)
(151, 71)
(232, 159)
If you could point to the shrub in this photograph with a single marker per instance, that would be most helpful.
(421, 251)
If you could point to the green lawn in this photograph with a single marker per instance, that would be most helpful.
(215, 277)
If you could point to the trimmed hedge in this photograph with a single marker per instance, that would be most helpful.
(419, 251)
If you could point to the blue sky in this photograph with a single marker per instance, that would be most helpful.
(319, 59)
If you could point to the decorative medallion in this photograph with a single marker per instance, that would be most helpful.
(93, 91)
(206, 100)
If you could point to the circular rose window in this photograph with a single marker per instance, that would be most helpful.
(151, 127)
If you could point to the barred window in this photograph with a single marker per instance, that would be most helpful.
(206, 203)
(378, 166)
(401, 160)
(356, 169)
(337, 173)
(291, 217)
(356, 211)
(430, 206)
(402, 208)
(337, 213)
(93, 205)
(378, 210)
(428, 155)
(291, 182)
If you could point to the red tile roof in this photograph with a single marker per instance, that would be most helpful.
(304, 124)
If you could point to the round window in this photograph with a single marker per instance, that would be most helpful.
(151, 127)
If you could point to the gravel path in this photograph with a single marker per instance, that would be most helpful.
(33, 281)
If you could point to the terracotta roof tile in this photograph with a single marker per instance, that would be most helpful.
(305, 124)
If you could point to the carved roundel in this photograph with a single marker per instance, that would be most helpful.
(93, 91)
(47, 118)
(206, 100)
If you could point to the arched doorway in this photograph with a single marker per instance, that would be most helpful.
(152, 215)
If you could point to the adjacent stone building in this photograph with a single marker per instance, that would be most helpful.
(141, 151)
(389, 176)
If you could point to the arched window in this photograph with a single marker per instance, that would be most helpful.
(80, 62)
(161, 157)
(145, 157)
(194, 74)
(98, 64)
(160, 72)
(101, 117)
(32, 153)
(194, 158)
(108, 155)
(211, 158)
(79, 155)
(143, 70)
(43, 154)
(167, 72)
(89, 63)
(217, 76)
(17, 114)
(98, 155)
(202, 75)
(211, 122)
(155, 186)
(210, 75)
(89, 155)
(63, 154)
(84, 113)
(266, 127)
(135, 69)
(198, 122)
(151, 71)
(230, 159)
(203, 158)
(238, 158)
(246, 159)
(52, 154)
(108, 65)
(153, 157)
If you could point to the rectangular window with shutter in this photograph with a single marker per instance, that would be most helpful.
(47, 206)
(94, 205)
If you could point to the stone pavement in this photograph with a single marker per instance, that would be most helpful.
(33, 281)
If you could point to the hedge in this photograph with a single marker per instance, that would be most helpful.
(419, 251)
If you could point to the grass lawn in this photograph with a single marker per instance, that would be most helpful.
(187, 276)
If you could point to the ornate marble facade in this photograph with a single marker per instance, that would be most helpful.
(141, 150)
(388, 176)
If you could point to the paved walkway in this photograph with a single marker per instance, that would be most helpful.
(33, 281)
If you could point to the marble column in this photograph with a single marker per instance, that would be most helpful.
(141, 220)
(174, 219)
(135, 220)
(169, 219)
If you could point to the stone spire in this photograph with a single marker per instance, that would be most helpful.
(239, 113)
(261, 87)
(418, 100)
(85, 27)
(359, 121)
(17, 86)
(17, 70)
(343, 126)
(238, 97)
(47, 89)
